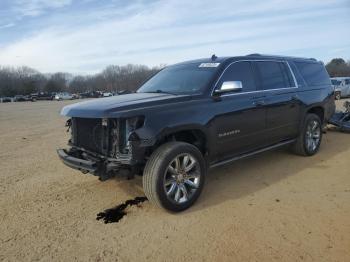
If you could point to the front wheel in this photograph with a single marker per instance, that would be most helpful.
(174, 176)
(309, 140)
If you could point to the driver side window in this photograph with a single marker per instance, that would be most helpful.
(240, 71)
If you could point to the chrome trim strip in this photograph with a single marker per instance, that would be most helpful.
(294, 78)
(252, 153)
(257, 91)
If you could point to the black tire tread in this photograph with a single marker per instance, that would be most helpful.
(150, 173)
(149, 177)
(299, 147)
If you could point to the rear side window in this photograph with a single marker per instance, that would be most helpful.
(298, 77)
(314, 74)
(347, 81)
(240, 71)
(274, 75)
(288, 78)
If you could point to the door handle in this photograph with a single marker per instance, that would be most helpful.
(258, 97)
(259, 103)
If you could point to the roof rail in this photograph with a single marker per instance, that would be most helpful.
(257, 54)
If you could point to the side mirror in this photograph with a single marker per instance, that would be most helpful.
(229, 86)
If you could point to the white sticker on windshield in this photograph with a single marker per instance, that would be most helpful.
(209, 64)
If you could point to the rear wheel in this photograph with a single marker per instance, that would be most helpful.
(174, 176)
(337, 95)
(309, 140)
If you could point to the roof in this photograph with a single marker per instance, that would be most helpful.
(279, 56)
(250, 56)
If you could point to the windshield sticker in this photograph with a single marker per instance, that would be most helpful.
(209, 64)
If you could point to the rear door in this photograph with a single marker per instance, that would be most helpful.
(281, 99)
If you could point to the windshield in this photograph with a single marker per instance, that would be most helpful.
(335, 82)
(180, 79)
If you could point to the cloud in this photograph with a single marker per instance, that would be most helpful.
(89, 38)
(7, 25)
(38, 7)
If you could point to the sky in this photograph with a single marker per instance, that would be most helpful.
(83, 37)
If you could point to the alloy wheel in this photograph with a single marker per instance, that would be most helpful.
(313, 135)
(182, 178)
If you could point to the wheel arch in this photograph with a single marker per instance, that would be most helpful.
(192, 134)
(317, 110)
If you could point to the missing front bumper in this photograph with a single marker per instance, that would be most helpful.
(86, 166)
(102, 168)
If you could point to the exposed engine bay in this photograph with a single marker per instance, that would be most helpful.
(105, 144)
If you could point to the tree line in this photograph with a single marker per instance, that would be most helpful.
(337, 67)
(25, 80)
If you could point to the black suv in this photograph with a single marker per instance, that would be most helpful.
(42, 96)
(200, 114)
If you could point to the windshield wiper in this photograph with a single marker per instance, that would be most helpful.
(162, 92)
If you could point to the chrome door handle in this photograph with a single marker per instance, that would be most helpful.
(258, 97)
(259, 103)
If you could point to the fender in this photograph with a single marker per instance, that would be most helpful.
(152, 137)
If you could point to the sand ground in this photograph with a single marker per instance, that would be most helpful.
(273, 207)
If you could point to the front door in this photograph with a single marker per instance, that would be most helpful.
(240, 126)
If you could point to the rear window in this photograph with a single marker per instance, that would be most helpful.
(274, 75)
(314, 74)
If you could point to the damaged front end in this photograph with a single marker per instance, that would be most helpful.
(104, 146)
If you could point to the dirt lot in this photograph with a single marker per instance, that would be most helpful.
(272, 207)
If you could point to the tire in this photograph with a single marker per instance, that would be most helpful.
(167, 184)
(337, 96)
(303, 146)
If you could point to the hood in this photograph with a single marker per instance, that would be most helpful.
(117, 106)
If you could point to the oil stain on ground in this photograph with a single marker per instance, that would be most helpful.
(114, 214)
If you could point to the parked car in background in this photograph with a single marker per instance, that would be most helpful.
(200, 114)
(337, 90)
(42, 96)
(6, 99)
(341, 87)
(64, 96)
(91, 94)
(107, 94)
(21, 98)
(75, 96)
(124, 92)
